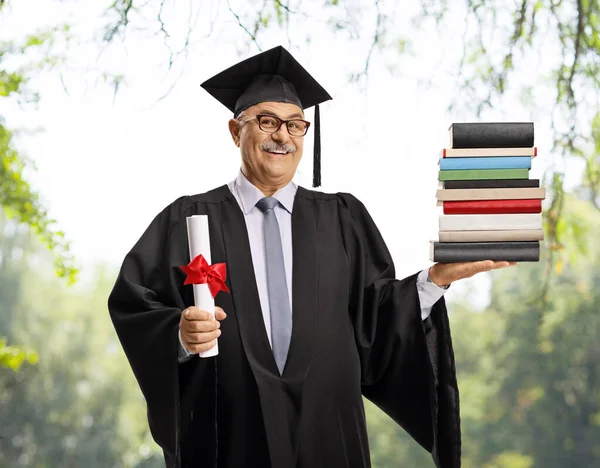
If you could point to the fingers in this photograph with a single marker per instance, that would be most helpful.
(502, 265)
(193, 313)
(472, 268)
(199, 329)
(195, 326)
(220, 313)
(201, 338)
(200, 348)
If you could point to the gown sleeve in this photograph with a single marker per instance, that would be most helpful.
(145, 308)
(407, 364)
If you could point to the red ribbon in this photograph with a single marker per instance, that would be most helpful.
(198, 271)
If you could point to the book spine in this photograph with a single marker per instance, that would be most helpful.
(492, 206)
(492, 236)
(496, 222)
(516, 162)
(498, 183)
(476, 251)
(492, 135)
(484, 174)
(490, 194)
(487, 152)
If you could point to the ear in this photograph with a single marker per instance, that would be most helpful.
(235, 129)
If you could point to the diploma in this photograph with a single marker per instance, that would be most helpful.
(199, 244)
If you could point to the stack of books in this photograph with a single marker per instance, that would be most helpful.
(492, 210)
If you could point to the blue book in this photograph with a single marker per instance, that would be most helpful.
(505, 162)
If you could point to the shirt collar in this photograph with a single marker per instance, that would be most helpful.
(250, 194)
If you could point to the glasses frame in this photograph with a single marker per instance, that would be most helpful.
(281, 122)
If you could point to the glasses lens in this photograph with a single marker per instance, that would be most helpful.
(269, 123)
(297, 127)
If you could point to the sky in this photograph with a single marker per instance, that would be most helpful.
(107, 165)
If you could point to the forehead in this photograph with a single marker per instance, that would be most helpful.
(280, 109)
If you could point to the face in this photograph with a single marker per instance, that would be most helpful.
(268, 160)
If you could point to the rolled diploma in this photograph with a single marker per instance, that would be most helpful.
(199, 243)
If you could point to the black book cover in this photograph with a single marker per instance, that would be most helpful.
(491, 135)
(516, 251)
(500, 183)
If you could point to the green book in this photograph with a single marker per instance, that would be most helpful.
(484, 174)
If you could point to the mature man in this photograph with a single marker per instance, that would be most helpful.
(315, 316)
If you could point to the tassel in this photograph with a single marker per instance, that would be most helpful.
(317, 150)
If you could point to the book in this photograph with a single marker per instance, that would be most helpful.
(450, 252)
(484, 174)
(495, 222)
(491, 135)
(490, 194)
(531, 205)
(507, 162)
(498, 183)
(492, 236)
(487, 152)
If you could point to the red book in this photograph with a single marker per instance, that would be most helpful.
(532, 205)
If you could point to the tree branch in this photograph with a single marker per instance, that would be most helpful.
(123, 10)
(577, 48)
(517, 34)
(285, 7)
(166, 35)
(241, 25)
(553, 242)
(376, 38)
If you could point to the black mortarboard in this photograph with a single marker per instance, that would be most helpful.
(275, 76)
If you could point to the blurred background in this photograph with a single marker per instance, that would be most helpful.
(103, 123)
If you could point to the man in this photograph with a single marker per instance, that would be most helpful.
(315, 316)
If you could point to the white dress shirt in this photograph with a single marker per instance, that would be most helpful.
(247, 196)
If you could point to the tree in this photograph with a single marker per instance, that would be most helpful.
(17, 198)
(80, 405)
(529, 370)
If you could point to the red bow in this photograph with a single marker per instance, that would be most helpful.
(198, 271)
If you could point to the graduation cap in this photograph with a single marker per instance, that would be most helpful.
(271, 76)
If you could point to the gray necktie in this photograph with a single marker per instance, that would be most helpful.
(279, 302)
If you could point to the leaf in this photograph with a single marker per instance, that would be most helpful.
(22, 203)
(12, 357)
(559, 266)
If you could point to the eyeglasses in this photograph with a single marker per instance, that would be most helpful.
(271, 124)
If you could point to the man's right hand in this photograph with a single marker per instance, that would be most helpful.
(199, 330)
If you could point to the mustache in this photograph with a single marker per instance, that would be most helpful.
(271, 146)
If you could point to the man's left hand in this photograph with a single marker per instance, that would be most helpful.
(444, 274)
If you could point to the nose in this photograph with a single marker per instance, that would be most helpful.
(281, 135)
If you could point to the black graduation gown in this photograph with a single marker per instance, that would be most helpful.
(356, 331)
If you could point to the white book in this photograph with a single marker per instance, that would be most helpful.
(493, 222)
(492, 236)
(490, 194)
(487, 152)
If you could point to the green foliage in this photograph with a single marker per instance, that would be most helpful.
(22, 204)
(389, 444)
(12, 357)
(510, 460)
(9, 83)
(19, 200)
(533, 366)
(80, 405)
